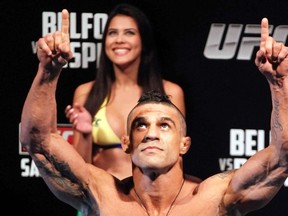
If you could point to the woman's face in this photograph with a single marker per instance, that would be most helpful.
(123, 41)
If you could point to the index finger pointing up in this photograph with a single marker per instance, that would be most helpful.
(65, 25)
(264, 32)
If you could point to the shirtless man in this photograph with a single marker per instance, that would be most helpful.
(156, 142)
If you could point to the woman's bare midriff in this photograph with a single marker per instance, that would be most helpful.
(113, 160)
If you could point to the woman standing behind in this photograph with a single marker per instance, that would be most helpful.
(128, 66)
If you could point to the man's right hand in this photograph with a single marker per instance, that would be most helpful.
(53, 50)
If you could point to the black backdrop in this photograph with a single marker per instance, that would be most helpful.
(224, 91)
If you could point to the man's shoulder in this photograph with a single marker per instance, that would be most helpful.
(225, 176)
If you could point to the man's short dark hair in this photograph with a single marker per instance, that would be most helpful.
(157, 97)
(153, 96)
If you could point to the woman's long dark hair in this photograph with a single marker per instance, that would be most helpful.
(149, 75)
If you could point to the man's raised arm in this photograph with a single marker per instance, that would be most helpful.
(62, 168)
(262, 176)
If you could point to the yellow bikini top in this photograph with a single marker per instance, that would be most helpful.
(102, 133)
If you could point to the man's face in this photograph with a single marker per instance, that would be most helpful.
(155, 136)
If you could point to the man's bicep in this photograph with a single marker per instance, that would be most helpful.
(256, 182)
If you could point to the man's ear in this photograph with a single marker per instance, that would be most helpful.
(125, 143)
(185, 145)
